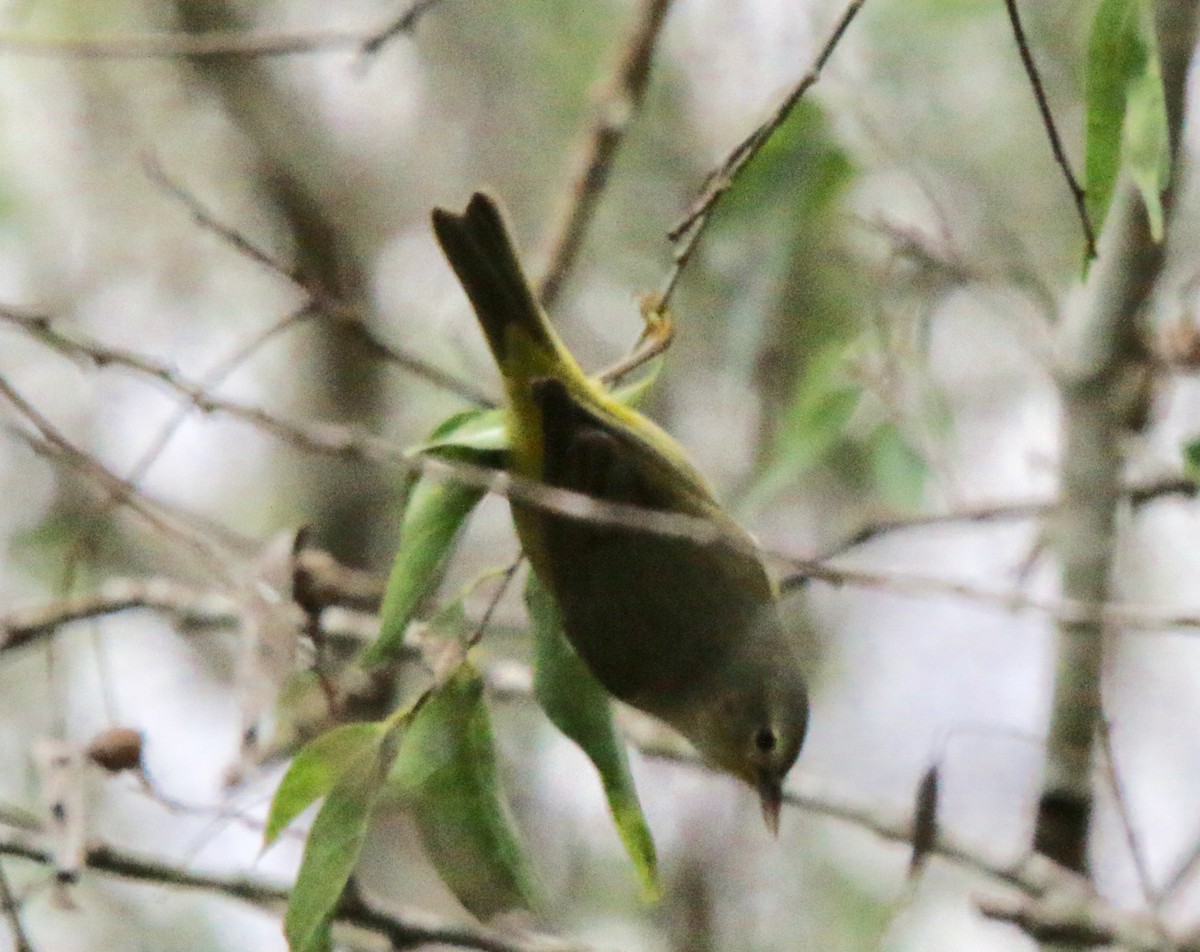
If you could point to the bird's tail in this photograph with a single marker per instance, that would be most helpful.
(481, 251)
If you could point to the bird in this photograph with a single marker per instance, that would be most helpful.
(683, 627)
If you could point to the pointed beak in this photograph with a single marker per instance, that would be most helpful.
(770, 796)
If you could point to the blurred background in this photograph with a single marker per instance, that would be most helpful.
(866, 333)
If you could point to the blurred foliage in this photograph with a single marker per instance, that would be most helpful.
(1126, 113)
(788, 217)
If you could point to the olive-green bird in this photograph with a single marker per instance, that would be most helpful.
(687, 631)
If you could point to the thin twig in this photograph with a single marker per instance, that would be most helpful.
(406, 932)
(657, 335)
(1183, 872)
(12, 914)
(352, 443)
(24, 624)
(1078, 193)
(686, 234)
(216, 43)
(208, 551)
(338, 311)
(619, 104)
(1033, 875)
(507, 576)
(1080, 923)
(1151, 894)
(406, 23)
(347, 442)
(1138, 494)
(1122, 615)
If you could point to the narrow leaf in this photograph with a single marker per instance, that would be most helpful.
(446, 771)
(334, 844)
(816, 422)
(315, 770)
(1146, 144)
(900, 472)
(579, 707)
(480, 431)
(1117, 54)
(434, 516)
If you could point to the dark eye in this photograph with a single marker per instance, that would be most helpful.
(765, 740)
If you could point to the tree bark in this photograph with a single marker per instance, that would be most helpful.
(1103, 357)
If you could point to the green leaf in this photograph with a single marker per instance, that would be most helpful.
(579, 707)
(1191, 459)
(1126, 113)
(334, 843)
(446, 771)
(900, 472)
(816, 422)
(1146, 144)
(315, 770)
(476, 431)
(434, 516)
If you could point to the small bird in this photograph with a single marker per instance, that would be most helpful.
(684, 629)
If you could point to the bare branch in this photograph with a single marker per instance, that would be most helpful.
(619, 104)
(406, 23)
(1078, 195)
(403, 932)
(352, 443)
(686, 234)
(195, 606)
(1138, 494)
(206, 548)
(1081, 921)
(1141, 863)
(12, 914)
(218, 43)
(319, 299)
(1122, 615)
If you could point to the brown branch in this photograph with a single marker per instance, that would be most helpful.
(209, 551)
(506, 578)
(1045, 885)
(12, 914)
(404, 24)
(686, 234)
(1126, 616)
(1078, 194)
(1138, 494)
(319, 298)
(619, 104)
(24, 624)
(215, 44)
(1082, 921)
(347, 599)
(403, 932)
(352, 443)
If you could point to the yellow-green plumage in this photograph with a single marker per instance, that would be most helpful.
(685, 630)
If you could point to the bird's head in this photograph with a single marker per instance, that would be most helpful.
(751, 723)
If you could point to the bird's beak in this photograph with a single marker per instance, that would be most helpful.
(770, 796)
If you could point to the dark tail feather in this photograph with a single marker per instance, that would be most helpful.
(480, 248)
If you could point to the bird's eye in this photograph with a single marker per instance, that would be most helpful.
(765, 740)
